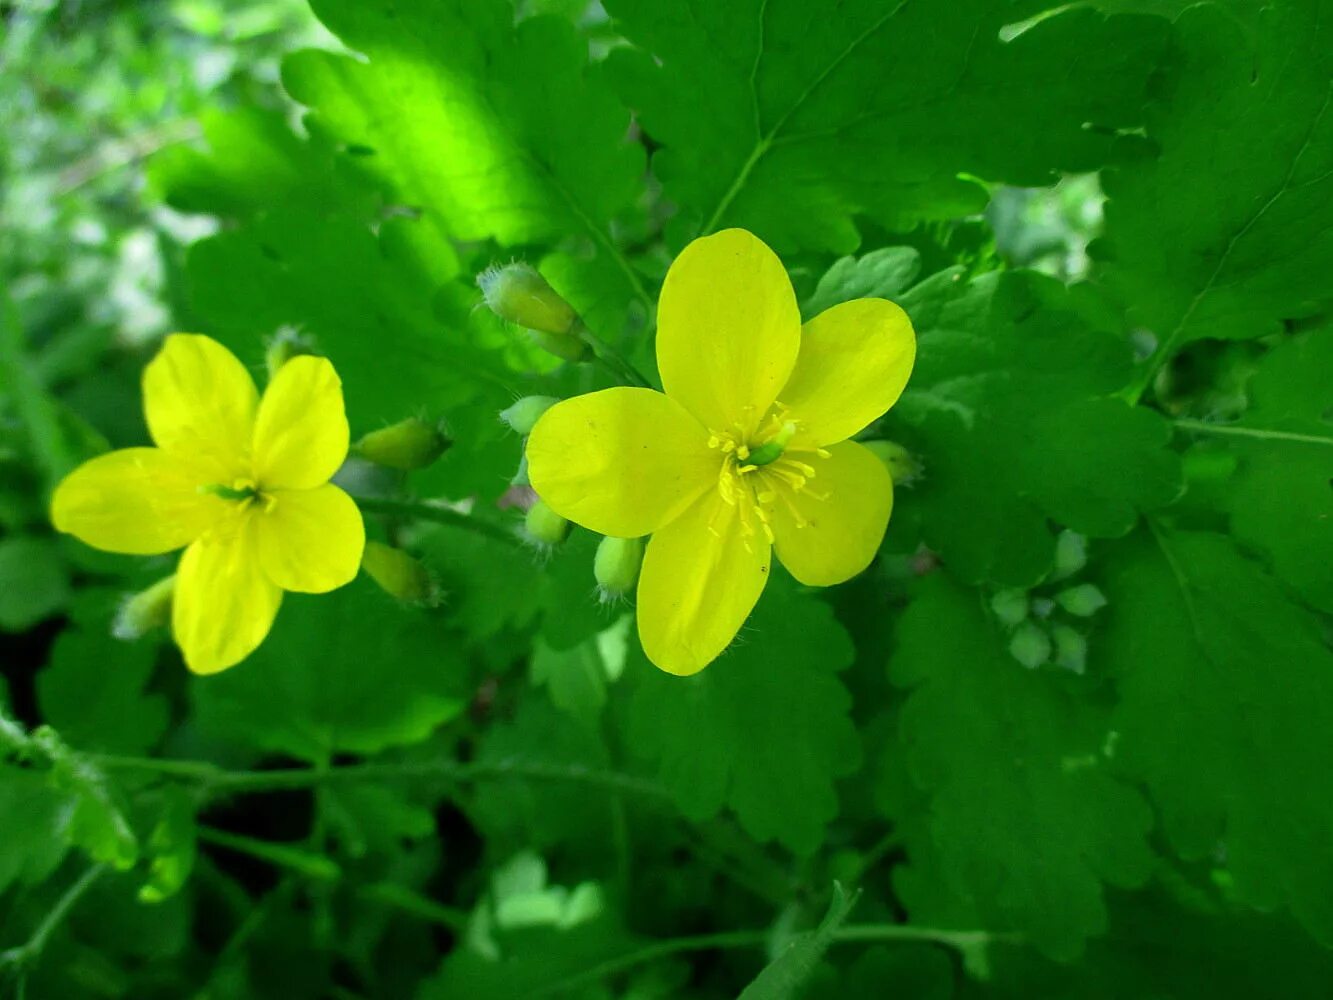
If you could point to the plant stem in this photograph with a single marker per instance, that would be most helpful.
(314, 866)
(889, 842)
(1232, 430)
(26, 955)
(615, 362)
(410, 901)
(223, 782)
(960, 940)
(425, 510)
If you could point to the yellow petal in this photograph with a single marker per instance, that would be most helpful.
(829, 540)
(701, 577)
(224, 603)
(310, 540)
(140, 501)
(301, 434)
(200, 404)
(621, 462)
(855, 360)
(728, 330)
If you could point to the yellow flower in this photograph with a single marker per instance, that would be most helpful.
(242, 481)
(746, 451)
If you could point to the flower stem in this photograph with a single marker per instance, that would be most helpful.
(216, 780)
(904, 933)
(313, 866)
(425, 510)
(616, 363)
(1258, 433)
(26, 955)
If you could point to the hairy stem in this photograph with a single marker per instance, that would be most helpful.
(1257, 433)
(616, 363)
(425, 510)
(903, 933)
(26, 955)
(217, 781)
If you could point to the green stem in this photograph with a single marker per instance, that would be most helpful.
(26, 955)
(1258, 433)
(889, 842)
(222, 782)
(314, 866)
(904, 933)
(415, 904)
(615, 362)
(425, 510)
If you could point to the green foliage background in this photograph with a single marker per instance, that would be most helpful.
(1068, 737)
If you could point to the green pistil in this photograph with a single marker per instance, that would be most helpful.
(772, 449)
(229, 492)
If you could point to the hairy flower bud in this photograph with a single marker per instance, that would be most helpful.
(616, 566)
(524, 414)
(407, 445)
(399, 575)
(140, 613)
(544, 526)
(570, 348)
(519, 294)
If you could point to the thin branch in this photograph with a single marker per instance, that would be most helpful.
(959, 940)
(1258, 433)
(26, 955)
(218, 781)
(426, 510)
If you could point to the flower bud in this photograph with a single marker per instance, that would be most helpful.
(407, 445)
(399, 575)
(562, 346)
(1071, 554)
(284, 345)
(904, 467)
(1071, 649)
(140, 613)
(1085, 600)
(545, 526)
(616, 566)
(523, 415)
(1010, 607)
(1030, 646)
(519, 294)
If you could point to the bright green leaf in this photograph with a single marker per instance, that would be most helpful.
(1229, 230)
(763, 730)
(353, 671)
(1011, 407)
(1025, 819)
(1224, 709)
(789, 118)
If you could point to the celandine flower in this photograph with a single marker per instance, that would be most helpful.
(746, 451)
(242, 481)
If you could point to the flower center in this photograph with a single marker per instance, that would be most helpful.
(761, 471)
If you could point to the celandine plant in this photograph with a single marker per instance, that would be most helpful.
(241, 482)
(771, 499)
(744, 452)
